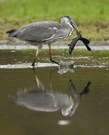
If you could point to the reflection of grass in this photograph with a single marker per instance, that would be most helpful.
(15, 13)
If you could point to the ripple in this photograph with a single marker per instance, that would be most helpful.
(90, 66)
(43, 65)
(26, 65)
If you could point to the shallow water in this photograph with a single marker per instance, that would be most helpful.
(52, 99)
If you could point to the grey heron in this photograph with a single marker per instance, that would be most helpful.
(47, 100)
(45, 32)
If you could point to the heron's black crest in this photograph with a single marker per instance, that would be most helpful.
(68, 17)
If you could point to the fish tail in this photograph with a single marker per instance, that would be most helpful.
(86, 42)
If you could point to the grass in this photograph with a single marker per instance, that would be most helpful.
(92, 16)
(88, 10)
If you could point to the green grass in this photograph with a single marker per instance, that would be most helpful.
(81, 10)
(91, 15)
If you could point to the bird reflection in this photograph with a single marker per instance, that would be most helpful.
(47, 100)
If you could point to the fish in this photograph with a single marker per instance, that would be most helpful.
(75, 40)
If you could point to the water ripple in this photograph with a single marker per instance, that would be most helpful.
(43, 65)
(26, 65)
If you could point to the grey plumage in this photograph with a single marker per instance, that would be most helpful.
(47, 100)
(39, 32)
(46, 32)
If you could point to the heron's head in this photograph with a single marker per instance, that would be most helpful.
(69, 20)
(67, 110)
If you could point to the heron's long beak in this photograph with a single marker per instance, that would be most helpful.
(76, 28)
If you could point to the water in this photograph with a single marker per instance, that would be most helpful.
(51, 99)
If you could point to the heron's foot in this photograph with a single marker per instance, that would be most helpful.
(33, 64)
(54, 61)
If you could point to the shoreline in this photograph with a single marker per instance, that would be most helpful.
(20, 45)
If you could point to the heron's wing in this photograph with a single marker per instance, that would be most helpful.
(38, 31)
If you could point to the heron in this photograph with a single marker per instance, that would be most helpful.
(47, 100)
(45, 32)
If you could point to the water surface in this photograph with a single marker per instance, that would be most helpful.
(50, 101)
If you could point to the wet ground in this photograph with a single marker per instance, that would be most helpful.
(53, 99)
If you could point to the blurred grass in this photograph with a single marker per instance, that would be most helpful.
(92, 16)
(81, 10)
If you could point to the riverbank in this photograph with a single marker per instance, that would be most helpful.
(99, 49)
(19, 45)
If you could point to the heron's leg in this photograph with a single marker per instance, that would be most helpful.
(49, 45)
(40, 86)
(36, 55)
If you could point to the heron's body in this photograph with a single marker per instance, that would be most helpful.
(46, 32)
(42, 32)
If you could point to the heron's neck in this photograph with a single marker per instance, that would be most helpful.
(66, 27)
